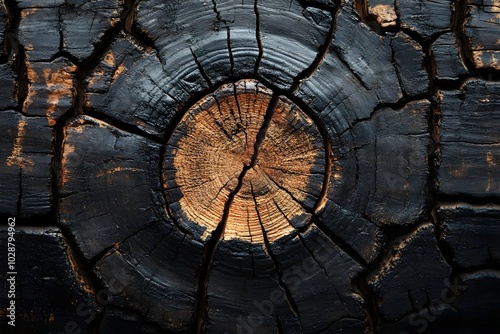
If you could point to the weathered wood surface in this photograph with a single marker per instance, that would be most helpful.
(51, 290)
(252, 166)
(481, 33)
(470, 140)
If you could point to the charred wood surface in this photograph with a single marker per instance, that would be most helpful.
(303, 166)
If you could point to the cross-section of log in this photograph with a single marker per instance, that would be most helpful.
(239, 148)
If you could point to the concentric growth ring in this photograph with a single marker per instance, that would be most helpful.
(211, 159)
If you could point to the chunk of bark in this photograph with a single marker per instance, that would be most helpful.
(409, 60)
(93, 18)
(424, 17)
(449, 63)
(401, 165)
(412, 275)
(50, 89)
(156, 261)
(26, 155)
(469, 141)
(182, 41)
(48, 27)
(122, 164)
(482, 33)
(472, 234)
(39, 32)
(291, 39)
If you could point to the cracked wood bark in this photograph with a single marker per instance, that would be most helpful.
(256, 166)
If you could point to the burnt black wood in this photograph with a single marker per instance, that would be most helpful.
(405, 95)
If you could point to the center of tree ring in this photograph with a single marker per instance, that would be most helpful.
(244, 163)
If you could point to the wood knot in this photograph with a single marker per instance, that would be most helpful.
(246, 160)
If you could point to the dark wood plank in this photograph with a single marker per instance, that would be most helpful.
(482, 32)
(472, 234)
(447, 58)
(413, 273)
(469, 140)
(409, 60)
(51, 291)
(26, 165)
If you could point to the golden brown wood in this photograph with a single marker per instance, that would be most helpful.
(215, 142)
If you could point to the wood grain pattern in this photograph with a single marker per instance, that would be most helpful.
(252, 166)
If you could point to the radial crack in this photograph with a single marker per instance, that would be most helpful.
(258, 37)
(320, 56)
(288, 293)
(200, 309)
(201, 69)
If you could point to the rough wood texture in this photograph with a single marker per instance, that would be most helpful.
(469, 140)
(50, 27)
(252, 166)
(272, 182)
(384, 12)
(409, 60)
(472, 234)
(482, 34)
(414, 274)
(50, 89)
(26, 153)
(449, 63)
(7, 86)
(51, 290)
(424, 17)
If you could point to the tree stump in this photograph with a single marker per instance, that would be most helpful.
(303, 166)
